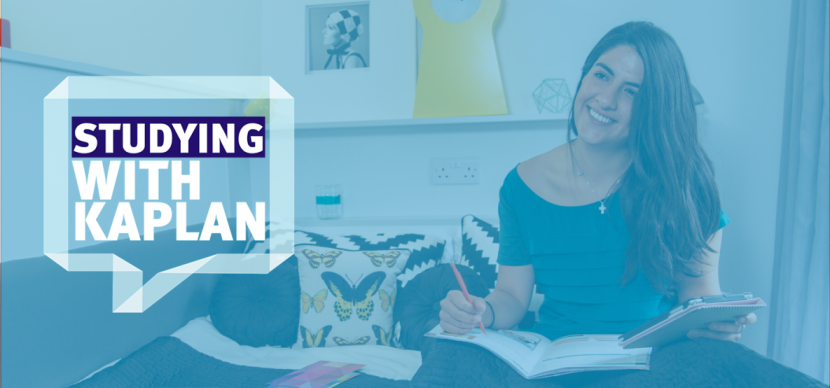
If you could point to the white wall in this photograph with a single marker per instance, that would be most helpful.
(741, 71)
(736, 55)
(150, 37)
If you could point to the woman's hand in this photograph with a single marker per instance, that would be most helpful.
(725, 331)
(457, 315)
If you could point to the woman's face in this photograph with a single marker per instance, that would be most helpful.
(602, 108)
(331, 34)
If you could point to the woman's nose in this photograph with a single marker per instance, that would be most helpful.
(607, 99)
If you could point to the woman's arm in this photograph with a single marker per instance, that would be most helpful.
(511, 297)
(514, 285)
(708, 285)
(510, 301)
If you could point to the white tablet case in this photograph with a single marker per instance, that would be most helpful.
(694, 317)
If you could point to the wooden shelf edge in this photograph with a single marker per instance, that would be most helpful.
(15, 56)
(394, 221)
(501, 119)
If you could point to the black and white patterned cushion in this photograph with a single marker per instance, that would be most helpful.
(426, 250)
(480, 248)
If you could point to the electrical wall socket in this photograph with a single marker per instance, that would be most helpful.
(454, 171)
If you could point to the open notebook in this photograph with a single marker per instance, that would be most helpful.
(534, 356)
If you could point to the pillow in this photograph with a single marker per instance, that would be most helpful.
(418, 304)
(347, 296)
(258, 310)
(426, 251)
(480, 250)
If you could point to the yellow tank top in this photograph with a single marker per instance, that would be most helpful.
(459, 73)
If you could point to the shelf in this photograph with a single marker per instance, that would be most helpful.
(21, 57)
(386, 221)
(519, 120)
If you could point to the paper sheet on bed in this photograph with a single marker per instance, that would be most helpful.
(381, 361)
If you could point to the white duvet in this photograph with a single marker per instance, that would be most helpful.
(381, 361)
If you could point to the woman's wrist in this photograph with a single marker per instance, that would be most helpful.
(492, 314)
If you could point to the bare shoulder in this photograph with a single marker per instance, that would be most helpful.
(352, 62)
(547, 166)
(546, 174)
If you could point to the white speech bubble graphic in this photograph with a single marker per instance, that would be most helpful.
(129, 294)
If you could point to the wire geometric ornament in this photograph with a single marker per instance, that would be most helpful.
(552, 95)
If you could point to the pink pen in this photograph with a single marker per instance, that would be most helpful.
(464, 290)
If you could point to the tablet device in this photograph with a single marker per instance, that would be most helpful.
(694, 313)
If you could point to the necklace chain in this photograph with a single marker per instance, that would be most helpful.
(602, 207)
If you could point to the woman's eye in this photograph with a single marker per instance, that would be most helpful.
(630, 92)
(600, 75)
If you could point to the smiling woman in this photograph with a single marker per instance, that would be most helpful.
(615, 226)
(633, 195)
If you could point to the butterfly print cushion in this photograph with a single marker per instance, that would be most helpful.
(347, 296)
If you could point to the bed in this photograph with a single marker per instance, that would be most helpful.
(59, 330)
(197, 355)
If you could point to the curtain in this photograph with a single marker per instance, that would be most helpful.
(800, 315)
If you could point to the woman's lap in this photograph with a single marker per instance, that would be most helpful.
(455, 364)
(696, 363)
(711, 363)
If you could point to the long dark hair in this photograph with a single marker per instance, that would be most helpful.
(670, 202)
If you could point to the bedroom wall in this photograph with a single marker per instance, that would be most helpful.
(736, 55)
(153, 37)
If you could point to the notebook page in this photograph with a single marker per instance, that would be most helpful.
(591, 352)
(520, 349)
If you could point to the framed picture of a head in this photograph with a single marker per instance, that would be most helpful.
(337, 36)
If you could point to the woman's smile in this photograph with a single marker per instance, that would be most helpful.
(598, 118)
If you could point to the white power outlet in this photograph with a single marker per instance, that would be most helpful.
(454, 171)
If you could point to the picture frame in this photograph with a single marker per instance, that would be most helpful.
(337, 37)
(383, 91)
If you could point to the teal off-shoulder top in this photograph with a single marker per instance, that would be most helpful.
(578, 257)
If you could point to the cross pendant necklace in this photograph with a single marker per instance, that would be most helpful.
(602, 207)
